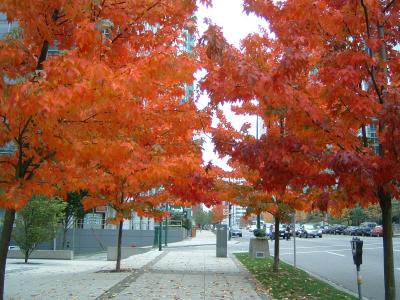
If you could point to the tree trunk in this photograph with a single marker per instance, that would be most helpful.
(385, 201)
(275, 267)
(26, 256)
(118, 266)
(9, 218)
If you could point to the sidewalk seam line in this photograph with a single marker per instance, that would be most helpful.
(121, 285)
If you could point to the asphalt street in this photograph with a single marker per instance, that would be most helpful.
(330, 258)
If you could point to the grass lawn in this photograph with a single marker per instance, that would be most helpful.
(289, 283)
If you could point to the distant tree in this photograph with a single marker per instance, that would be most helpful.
(357, 215)
(374, 213)
(73, 211)
(202, 217)
(187, 224)
(314, 217)
(37, 222)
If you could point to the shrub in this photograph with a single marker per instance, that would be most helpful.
(259, 233)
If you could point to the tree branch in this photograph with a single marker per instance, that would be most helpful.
(366, 18)
(376, 88)
(388, 5)
(135, 20)
(5, 122)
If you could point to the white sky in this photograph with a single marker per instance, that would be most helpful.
(236, 25)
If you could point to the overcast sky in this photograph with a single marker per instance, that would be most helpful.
(229, 15)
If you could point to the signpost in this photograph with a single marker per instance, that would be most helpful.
(294, 239)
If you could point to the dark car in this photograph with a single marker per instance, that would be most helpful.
(236, 232)
(282, 232)
(351, 230)
(331, 229)
(298, 229)
(326, 229)
(339, 229)
(377, 231)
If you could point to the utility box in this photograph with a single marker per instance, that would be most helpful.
(222, 240)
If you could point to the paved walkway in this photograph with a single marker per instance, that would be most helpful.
(174, 273)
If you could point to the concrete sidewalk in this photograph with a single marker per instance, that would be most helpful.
(171, 274)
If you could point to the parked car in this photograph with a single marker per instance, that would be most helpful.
(365, 228)
(252, 228)
(236, 232)
(297, 229)
(326, 229)
(13, 248)
(377, 231)
(309, 230)
(339, 229)
(331, 229)
(282, 230)
(351, 230)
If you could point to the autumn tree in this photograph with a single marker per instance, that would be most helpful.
(330, 69)
(217, 214)
(115, 59)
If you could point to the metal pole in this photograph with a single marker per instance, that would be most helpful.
(294, 239)
(160, 237)
(73, 236)
(359, 282)
(166, 228)
(258, 216)
(230, 222)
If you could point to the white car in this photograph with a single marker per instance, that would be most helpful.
(13, 248)
(252, 228)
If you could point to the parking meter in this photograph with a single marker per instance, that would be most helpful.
(356, 248)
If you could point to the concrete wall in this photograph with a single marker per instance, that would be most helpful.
(96, 240)
(125, 252)
(43, 254)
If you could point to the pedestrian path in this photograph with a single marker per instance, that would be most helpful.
(197, 274)
(175, 273)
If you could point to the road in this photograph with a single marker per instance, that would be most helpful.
(330, 258)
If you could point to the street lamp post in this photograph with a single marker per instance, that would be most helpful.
(166, 228)
(258, 216)
(160, 237)
(294, 239)
(229, 221)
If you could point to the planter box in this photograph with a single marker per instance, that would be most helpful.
(125, 252)
(43, 254)
(259, 248)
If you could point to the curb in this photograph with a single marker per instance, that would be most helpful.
(258, 287)
(335, 285)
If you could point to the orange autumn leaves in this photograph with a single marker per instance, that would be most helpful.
(106, 112)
